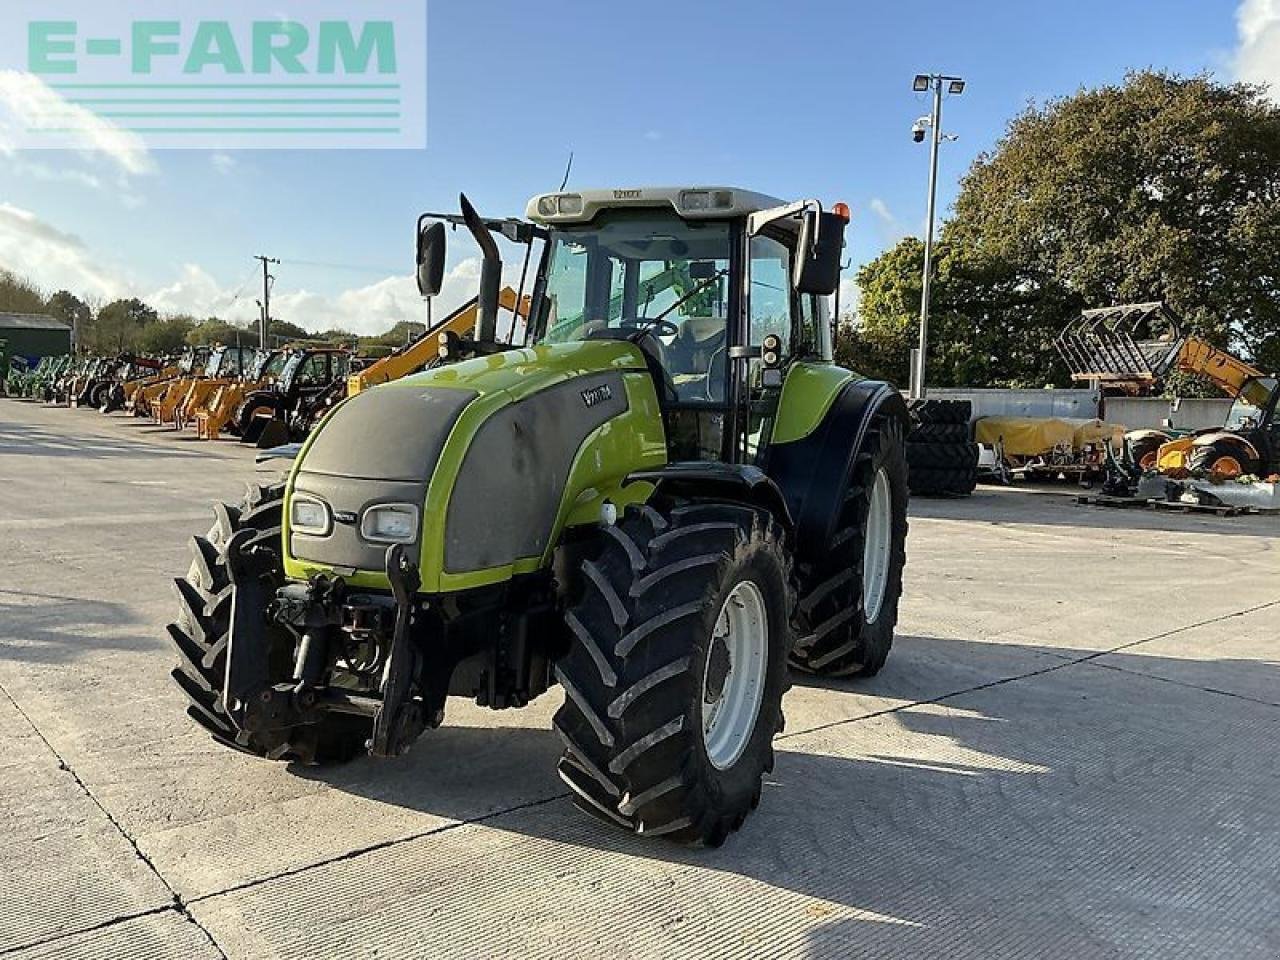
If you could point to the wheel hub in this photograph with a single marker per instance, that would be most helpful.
(877, 548)
(719, 665)
(734, 674)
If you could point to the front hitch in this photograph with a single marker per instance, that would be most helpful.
(250, 567)
(401, 718)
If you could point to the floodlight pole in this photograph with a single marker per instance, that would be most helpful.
(921, 354)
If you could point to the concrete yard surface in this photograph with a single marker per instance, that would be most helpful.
(1074, 751)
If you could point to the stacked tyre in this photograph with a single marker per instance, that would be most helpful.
(942, 459)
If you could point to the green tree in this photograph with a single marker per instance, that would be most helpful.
(213, 331)
(19, 295)
(165, 336)
(118, 326)
(1160, 188)
(70, 309)
(989, 325)
(290, 331)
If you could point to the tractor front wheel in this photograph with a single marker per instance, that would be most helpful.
(674, 682)
(201, 632)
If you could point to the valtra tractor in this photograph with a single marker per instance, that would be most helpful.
(665, 497)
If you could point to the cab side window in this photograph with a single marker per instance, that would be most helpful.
(771, 299)
(314, 370)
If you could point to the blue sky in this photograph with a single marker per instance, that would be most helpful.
(795, 99)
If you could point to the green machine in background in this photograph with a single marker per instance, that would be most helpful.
(664, 498)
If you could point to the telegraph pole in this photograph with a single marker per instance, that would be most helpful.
(267, 280)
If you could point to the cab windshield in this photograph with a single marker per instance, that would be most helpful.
(1246, 413)
(630, 271)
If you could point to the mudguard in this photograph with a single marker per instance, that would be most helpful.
(812, 472)
(732, 481)
(1214, 436)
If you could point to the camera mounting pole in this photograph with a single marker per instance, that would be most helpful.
(922, 84)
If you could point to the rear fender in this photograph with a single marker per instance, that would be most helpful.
(1226, 436)
(1133, 436)
(812, 472)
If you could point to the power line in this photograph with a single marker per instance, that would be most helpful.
(350, 267)
(239, 290)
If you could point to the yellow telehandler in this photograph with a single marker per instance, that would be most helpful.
(416, 355)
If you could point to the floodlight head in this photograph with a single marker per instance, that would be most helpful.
(921, 83)
(956, 87)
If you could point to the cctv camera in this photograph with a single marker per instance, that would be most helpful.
(918, 128)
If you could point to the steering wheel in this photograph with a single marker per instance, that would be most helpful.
(661, 328)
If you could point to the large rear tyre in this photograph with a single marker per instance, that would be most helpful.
(200, 636)
(940, 433)
(674, 682)
(849, 603)
(942, 456)
(942, 483)
(940, 411)
(1223, 459)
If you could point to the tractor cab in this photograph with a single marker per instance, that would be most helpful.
(721, 289)
(1253, 415)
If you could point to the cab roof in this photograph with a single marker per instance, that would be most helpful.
(692, 203)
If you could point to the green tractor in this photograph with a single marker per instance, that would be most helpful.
(662, 500)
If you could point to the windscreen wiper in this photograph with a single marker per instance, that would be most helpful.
(648, 324)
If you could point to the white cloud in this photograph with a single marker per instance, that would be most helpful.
(50, 257)
(42, 171)
(197, 293)
(377, 307)
(55, 259)
(224, 163)
(1257, 58)
(889, 226)
(26, 101)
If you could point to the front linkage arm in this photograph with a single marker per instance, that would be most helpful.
(401, 717)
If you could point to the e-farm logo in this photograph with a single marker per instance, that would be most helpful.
(223, 75)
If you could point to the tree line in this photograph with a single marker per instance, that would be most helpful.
(132, 326)
(1158, 188)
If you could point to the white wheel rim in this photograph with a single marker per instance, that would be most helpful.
(729, 715)
(877, 547)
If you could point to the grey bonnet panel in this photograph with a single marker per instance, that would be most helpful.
(504, 505)
(388, 433)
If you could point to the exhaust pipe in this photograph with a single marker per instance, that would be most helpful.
(490, 274)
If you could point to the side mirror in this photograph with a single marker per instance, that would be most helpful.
(431, 251)
(817, 263)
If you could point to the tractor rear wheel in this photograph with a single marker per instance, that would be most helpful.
(849, 603)
(1223, 460)
(674, 682)
(201, 631)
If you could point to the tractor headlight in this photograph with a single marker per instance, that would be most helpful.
(390, 523)
(311, 516)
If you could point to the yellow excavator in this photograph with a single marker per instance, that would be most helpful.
(416, 355)
(1129, 351)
